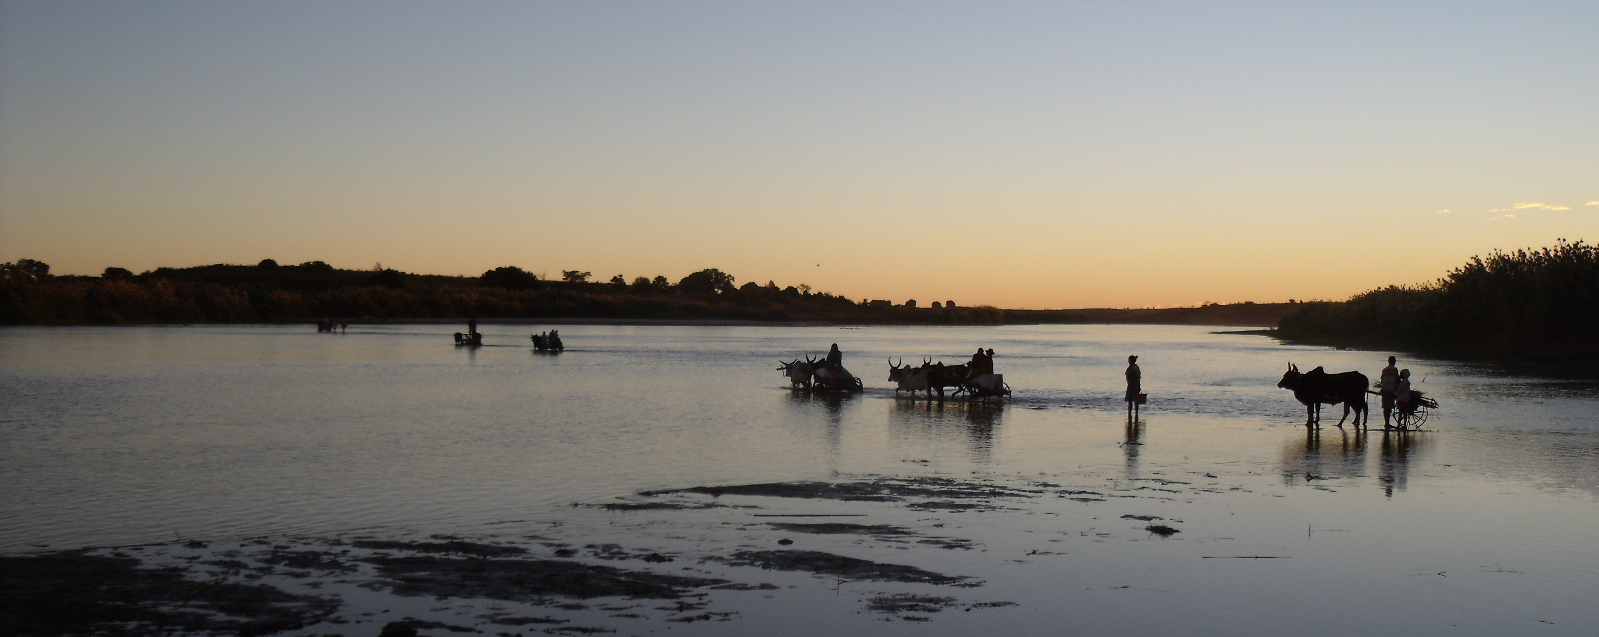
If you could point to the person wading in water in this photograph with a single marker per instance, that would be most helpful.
(1388, 387)
(1135, 379)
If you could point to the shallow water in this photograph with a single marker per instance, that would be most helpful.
(1488, 523)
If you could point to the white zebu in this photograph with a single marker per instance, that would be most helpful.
(798, 372)
(912, 379)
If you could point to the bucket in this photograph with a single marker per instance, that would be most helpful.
(1141, 399)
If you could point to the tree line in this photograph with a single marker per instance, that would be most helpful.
(270, 292)
(1532, 304)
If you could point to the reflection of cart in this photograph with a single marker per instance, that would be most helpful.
(1412, 415)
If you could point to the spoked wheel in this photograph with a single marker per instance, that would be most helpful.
(1412, 420)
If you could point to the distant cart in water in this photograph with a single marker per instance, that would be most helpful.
(548, 342)
(470, 339)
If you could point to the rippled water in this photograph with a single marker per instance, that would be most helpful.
(1486, 524)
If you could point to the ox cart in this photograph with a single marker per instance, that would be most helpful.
(987, 386)
(1410, 416)
(469, 339)
(932, 377)
(549, 342)
(813, 374)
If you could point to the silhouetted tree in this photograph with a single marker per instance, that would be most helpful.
(661, 283)
(267, 264)
(706, 282)
(390, 278)
(618, 281)
(575, 276)
(26, 270)
(315, 266)
(116, 273)
(510, 278)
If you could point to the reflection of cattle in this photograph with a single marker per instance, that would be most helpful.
(1316, 388)
(910, 378)
(798, 372)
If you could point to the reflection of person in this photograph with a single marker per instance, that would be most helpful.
(835, 358)
(1135, 379)
(1387, 385)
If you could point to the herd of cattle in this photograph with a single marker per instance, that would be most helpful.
(928, 378)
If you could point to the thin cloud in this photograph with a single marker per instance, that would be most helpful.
(1592, 203)
(1531, 206)
(1444, 211)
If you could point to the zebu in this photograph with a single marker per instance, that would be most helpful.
(1316, 388)
(909, 378)
(798, 372)
(940, 376)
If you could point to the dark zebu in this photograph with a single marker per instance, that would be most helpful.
(940, 376)
(1316, 388)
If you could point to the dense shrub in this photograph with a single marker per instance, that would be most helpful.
(1538, 303)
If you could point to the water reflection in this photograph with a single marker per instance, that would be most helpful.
(1399, 449)
(1320, 457)
(1133, 431)
(971, 424)
(831, 406)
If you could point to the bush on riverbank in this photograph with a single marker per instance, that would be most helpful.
(1534, 304)
(29, 295)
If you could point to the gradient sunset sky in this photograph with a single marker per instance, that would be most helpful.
(1033, 155)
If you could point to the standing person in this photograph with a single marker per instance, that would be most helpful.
(835, 358)
(1402, 392)
(471, 325)
(1388, 385)
(980, 365)
(1135, 379)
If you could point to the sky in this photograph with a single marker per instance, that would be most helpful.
(1025, 155)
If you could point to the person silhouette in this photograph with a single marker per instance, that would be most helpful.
(1388, 387)
(1135, 379)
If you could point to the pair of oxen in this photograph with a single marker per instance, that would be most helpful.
(814, 373)
(1317, 387)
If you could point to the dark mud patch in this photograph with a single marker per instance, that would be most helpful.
(739, 586)
(880, 490)
(837, 528)
(527, 580)
(952, 506)
(74, 592)
(409, 626)
(307, 561)
(616, 552)
(949, 543)
(1161, 530)
(446, 547)
(1142, 518)
(844, 567)
(523, 621)
(661, 506)
(908, 603)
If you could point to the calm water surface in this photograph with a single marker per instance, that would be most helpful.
(1486, 524)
